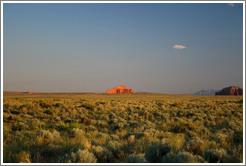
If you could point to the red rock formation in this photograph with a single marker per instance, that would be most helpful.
(120, 89)
(231, 90)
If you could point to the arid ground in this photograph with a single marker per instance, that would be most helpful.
(122, 128)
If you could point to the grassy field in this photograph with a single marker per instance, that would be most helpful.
(155, 128)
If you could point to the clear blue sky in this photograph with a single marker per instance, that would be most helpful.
(95, 47)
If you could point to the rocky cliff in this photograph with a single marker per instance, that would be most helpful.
(231, 90)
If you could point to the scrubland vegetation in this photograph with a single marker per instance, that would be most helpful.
(129, 128)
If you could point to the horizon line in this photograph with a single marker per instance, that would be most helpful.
(33, 92)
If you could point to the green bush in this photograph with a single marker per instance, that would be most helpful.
(155, 152)
(195, 145)
(135, 159)
(183, 157)
(81, 156)
(215, 155)
(46, 137)
(24, 157)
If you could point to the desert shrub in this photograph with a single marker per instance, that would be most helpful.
(182, 126)
(19, 136)
(238, 137)
(101, 123)
(77, 133)
(221, 138)
(49, 112)
(44, 105)
(85, 120)
(119, 125)
(81, 156)
(202, 132)
(24, 157)
(36, 124)
(97, 150)
(233, 158)
(70, 121)
(211, 145)
(140, 158)
(80, 139)
(56, 136)
(114, 137)
(54, 147)
(5, 116)
(131, 139)
(215, 155)
(195, 145)
(102, 154)
(101, 138)
(91, 128)
(88, 106)
(58, 105)
(15, 112)
(107, 156)
(155, 152)
(183, 157)
(20, 126)
(113, 121)
(191, 134)
(114, 146)
(26, 116)
(175, 141)
(46, 137)
(11, 153)
(140, 135)
(50, 152)
(105, 117)
(57, 118)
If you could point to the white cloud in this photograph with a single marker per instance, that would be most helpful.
(179, 47)
(231, 4)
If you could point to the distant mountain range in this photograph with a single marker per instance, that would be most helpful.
(207, 92)
(231, 90)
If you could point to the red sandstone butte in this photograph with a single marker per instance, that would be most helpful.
(120, 89)
(232, 90)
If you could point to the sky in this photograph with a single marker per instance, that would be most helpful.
(159, 48)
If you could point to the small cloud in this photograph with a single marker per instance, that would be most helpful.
(179, 47)
(231, 4)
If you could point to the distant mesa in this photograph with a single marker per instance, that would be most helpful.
(209, 92)
(29, 92)
(231, 90)
(120, 89)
